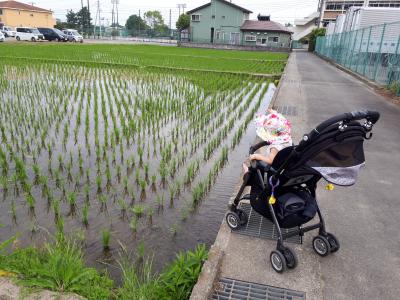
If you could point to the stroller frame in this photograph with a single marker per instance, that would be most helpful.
(324, 243)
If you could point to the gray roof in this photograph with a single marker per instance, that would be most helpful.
(223, 1)
(249, 25)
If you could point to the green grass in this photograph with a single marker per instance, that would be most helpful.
(150, 55)
(59, 266)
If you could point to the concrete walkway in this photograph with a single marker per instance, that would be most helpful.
(364, 217)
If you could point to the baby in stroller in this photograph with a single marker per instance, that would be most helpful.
(275, 129)
(283, 184)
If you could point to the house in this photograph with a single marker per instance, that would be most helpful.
(18, 14)
(223, 22)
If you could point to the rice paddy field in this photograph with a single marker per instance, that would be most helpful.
(125, 144)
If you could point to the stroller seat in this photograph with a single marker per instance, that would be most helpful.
(333, 151)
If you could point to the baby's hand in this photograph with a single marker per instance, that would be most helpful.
(272, 111)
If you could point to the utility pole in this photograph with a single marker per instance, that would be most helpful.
(116, 6)
(140, 19)
(320, 8)
(170, 24)
(112, 13)
(98, 17)
(183, 6)
(88, 16)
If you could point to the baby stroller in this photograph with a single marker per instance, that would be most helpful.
(284, 192)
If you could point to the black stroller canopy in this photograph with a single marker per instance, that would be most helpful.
(333, 150)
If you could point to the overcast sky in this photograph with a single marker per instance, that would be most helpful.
(282, 11)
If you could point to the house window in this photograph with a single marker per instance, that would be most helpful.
(250, 38)
(195, 18)
(213, 16)
(223, 17)
(273, 39)
(1, 11)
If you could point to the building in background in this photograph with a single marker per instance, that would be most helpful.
(303, 27)
(18, 14)
(331, 9)
(223, 22)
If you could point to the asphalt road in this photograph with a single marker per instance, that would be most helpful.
(365, 217)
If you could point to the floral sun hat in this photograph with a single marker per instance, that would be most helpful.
(274, 128)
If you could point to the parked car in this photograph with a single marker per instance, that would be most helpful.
(53, 34)
(28, 34)
(8, 31)
(73, 35)
(2, 37)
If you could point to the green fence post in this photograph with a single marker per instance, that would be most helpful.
(366, 52)
(359, 50)
(379, 52)
(352, 51)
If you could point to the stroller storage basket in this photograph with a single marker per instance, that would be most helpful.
(292, 209)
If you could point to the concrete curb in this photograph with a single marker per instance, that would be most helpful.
(283, 77)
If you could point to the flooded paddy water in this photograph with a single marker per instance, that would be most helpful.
(149, 158)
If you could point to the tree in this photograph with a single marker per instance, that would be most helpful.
(135, 24)
(154, 19)
(77, 20)
(84, 19)
(72, 19)
(313, 37)
(183, 22)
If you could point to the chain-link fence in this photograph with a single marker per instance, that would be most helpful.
(373, 52)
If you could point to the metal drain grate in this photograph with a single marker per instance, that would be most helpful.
(260, 227)
(237, 289)
(286, 110)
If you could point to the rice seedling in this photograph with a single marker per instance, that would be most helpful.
(138, 210)
(174, 229)
(85, 214)
(123, 206)
(71, 198)
(30, 201)
(99, 182)
(133, 224)
(13, 211)
(56, 208)
(160, 201)
(105, 237)
(150, 213)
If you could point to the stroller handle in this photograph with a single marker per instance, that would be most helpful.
(370, 116)
(255, 147)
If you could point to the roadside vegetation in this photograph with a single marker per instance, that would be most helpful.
(59, 266)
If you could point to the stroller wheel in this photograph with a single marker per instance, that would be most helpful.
(233, 220)
(290, 257)
(333, 242)
(242, 216)
(321, 245)
(278, 261)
